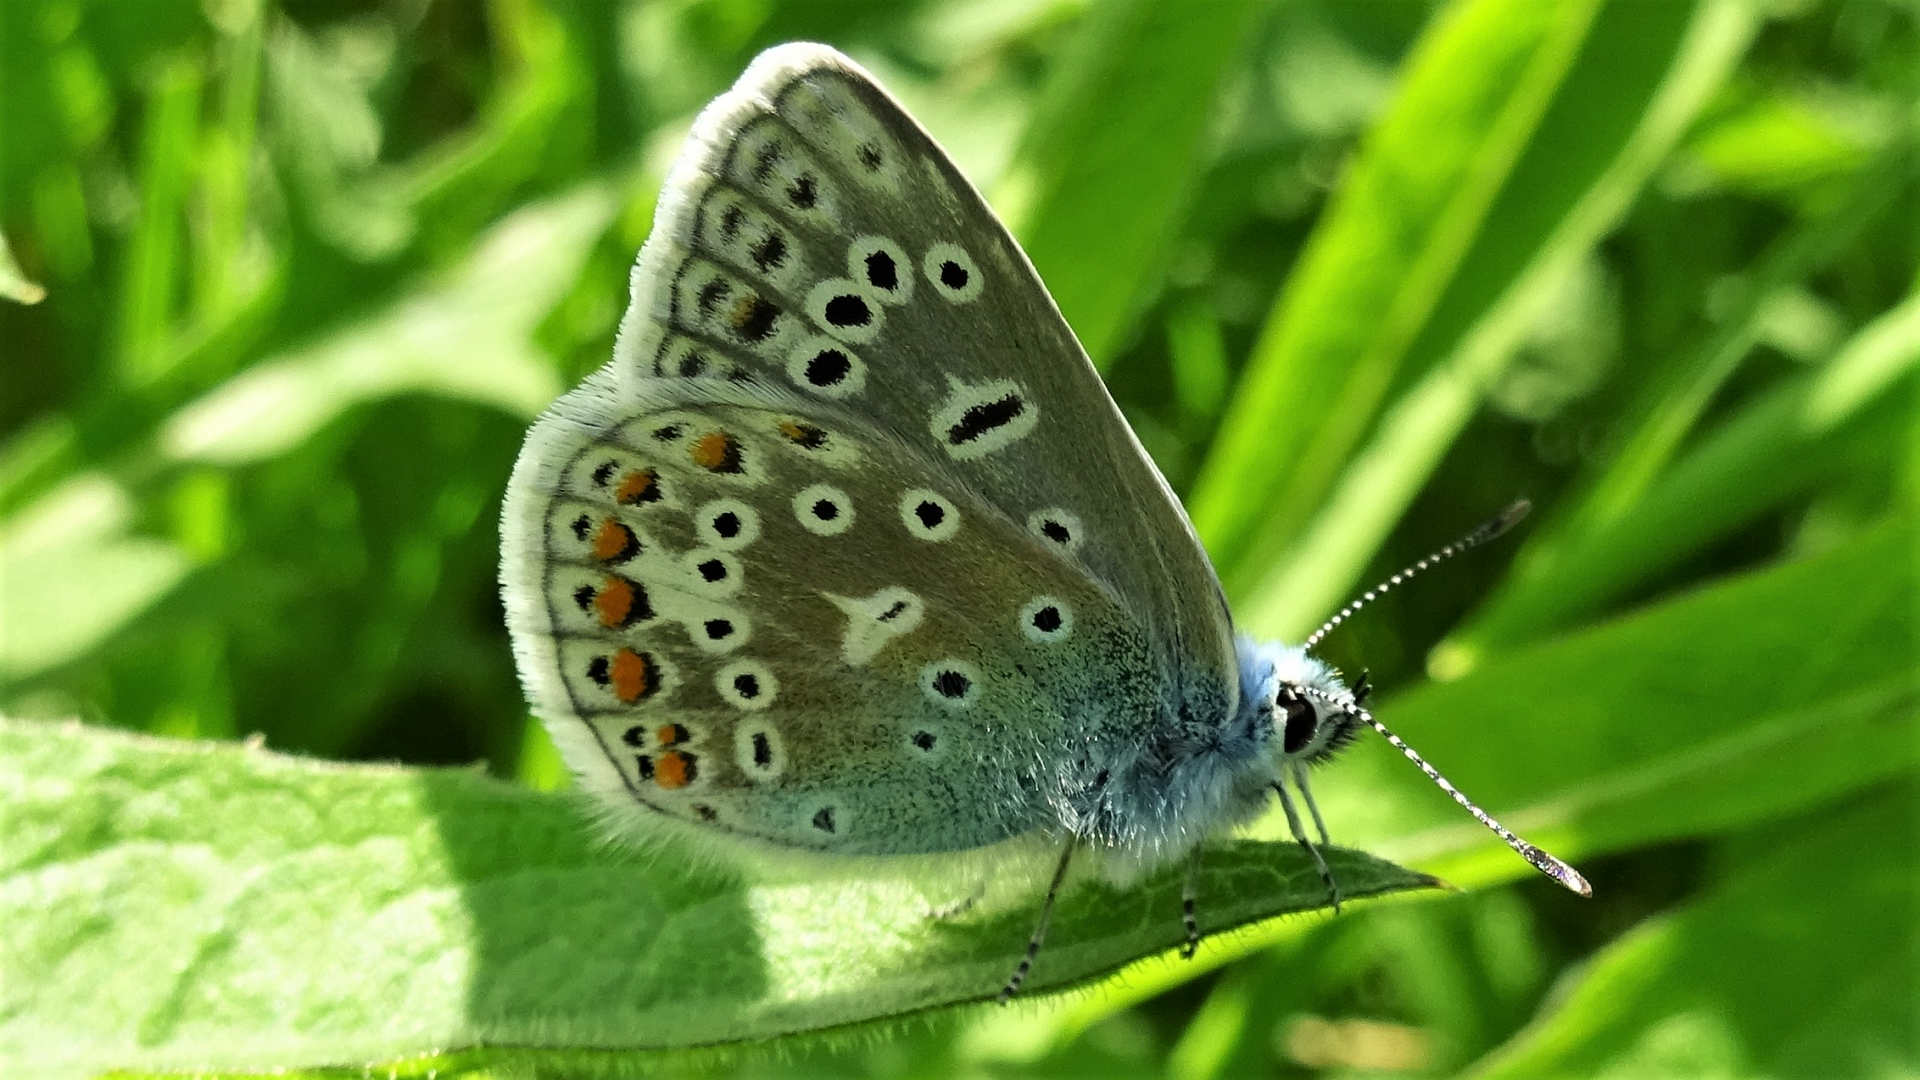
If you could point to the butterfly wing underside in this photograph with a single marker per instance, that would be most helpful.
(847, 549)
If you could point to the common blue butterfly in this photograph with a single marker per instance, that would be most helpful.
(847, 553)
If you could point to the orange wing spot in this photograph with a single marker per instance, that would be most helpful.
(614, 542)
(673, 769)
(802, 435)
(634, 676)
(638, 486)
(671, 735)
(619, 602)
(717, 451)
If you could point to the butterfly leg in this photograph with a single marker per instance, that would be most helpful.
(1319, 823)
(1039, 931)
(1300, 834)
(1188, 891)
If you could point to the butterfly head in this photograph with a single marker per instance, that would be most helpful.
(1305, 711)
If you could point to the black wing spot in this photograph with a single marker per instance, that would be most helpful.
(826, 509)
(753, 318)
(823, 819)
(1047, 619)
(923, 739)
(951, 684)
(762, 750)
(692, 364)
(581, 526)
(869, 155)
(705, 812)
(597, 671)
(583, 596)
(726, 524)
(748, 687)
(645, 765)
(953, 275)
(718, 629)
(1055, 531)
(770, 253)
(881, 271)
(930, 513)
(983, 418)
(731, 221)
(604, 472)
(848, 310)
(829, 367)
(764, 162)
(710, 296)
(668, 433)
(892, 613)
(713, 570)
(801, 193)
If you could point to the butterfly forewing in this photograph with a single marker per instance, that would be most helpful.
(946, 569)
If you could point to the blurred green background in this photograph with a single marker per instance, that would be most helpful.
(286, 281)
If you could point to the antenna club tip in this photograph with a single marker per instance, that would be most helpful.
(1515, 512)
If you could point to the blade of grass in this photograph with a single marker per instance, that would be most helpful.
(1631, 96)
(1667, 410)
(1082, 158)
(1472, 96)
(1773, 450)
(1710, 990)
(468, 334)
(1762, 696)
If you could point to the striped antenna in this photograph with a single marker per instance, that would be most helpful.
(1489, 530)
(1543, 862)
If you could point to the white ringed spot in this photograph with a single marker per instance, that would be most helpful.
(882, 266)
(1046, 620)
(747, 684)
(872, 621)
(727, 524)
(826, 367)
(980, 418)
(929, 515)
(1059, 528)
(758, 750)
(823, 510)
(719, 630)
(845, 309)
(711, 572)
(952, 272)
(950, 683)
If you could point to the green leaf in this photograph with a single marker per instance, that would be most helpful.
(1791, 439)
(1759, 697)
(176, 906)
(1082, 159)
(72, 572)
(1800, 963)
(1429, 269)
(1668, 409)
(1380, 259)
(1642, 76)
(14, 283)
(468, 335)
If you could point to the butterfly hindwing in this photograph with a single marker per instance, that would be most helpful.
(761, 623)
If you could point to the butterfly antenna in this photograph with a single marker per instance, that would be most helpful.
(1543, 862)
(1488, 530)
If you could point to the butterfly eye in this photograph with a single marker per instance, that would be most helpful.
(1300, 724)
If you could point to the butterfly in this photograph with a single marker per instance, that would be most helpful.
(847, 554)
